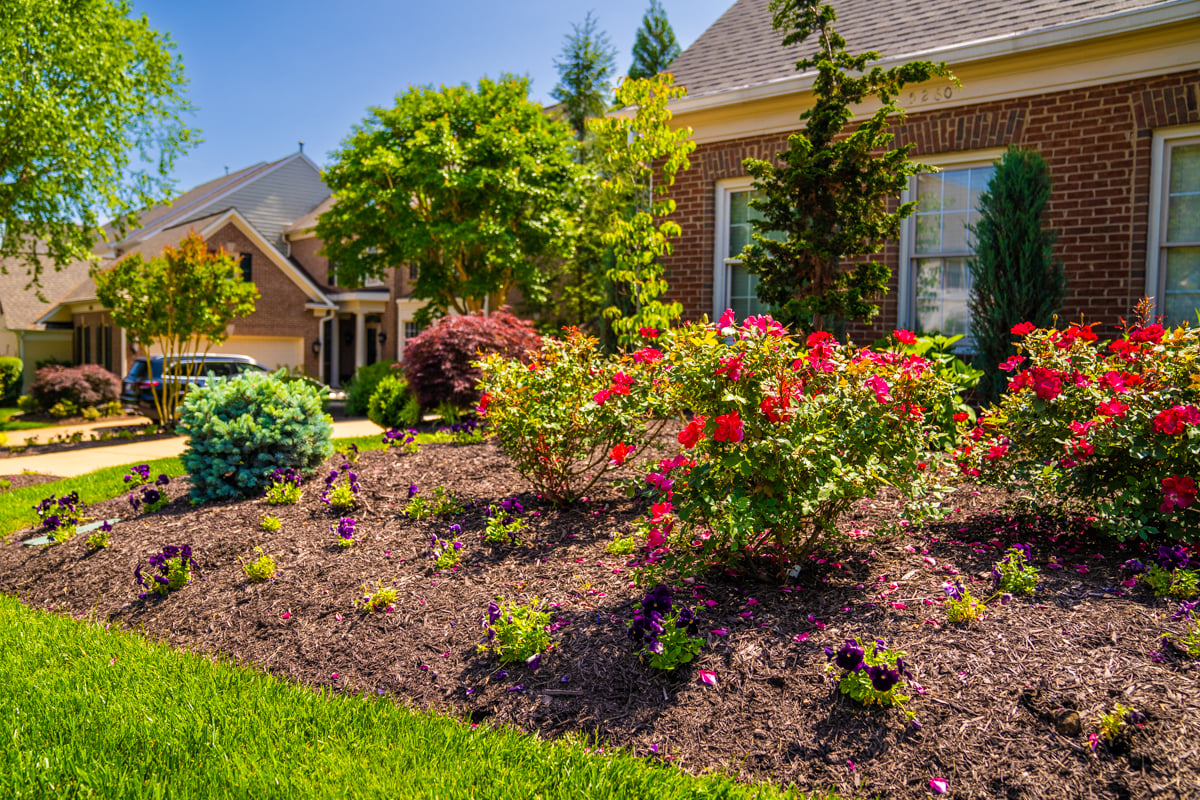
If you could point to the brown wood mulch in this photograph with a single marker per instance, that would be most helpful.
(997, 693)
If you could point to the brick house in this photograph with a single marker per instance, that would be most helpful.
(1106, 90)
(265, 215)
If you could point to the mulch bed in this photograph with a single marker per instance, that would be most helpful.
(994, 691)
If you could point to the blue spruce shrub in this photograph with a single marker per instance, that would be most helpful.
(242, 429)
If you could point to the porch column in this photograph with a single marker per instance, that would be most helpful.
(335, 341)
(360, 340)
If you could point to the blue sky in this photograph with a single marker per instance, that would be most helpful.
(266, 74)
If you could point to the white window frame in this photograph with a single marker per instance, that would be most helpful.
(1156, 273)
(906, 301)
(724, 189)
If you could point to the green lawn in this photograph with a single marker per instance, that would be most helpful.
(7, 423)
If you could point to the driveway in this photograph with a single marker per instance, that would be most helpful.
(70, 463)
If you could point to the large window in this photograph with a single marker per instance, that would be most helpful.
(938, 245)
(733, 286)
(1173, 271)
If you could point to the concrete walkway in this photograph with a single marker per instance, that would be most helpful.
(70, 463)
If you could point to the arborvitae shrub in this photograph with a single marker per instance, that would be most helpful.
(87, 385)
(1014, 277)
(363, 384)
(10, 379)
(438, 362)
(393, 405)
(242, 429)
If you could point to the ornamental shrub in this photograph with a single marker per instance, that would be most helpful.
(440, 362)
(393, 404)
(1014, 277)
(87, 385)
(243, 429)
(573, 413)
(1108, 430)
(10, 379)
(785, 435)
(362, 385)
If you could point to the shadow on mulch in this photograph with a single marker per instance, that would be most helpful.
(993, 693)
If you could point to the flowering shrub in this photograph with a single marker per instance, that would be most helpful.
(785, 435)
(174, 565)
(517, 632)
(1013, 574)
(440, 362)
(573, 413)
(871, 673)
(666, 635)
(441, 504)
(345, 532)
(261, 568)
(960, 605)
(284, 489)
(503, 526)
(383, 598)
(100, 538)
(60, 516)
(341, 495)
(1107, 430)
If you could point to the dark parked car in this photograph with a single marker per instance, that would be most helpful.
(138, 386)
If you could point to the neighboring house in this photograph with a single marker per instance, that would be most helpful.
(1106, 90)
(21, 334)
(264, 215)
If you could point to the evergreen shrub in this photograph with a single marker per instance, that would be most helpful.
(392, 405)
(10, 378)
(243, 429)
(363, 385)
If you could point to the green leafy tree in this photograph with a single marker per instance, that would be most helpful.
(470, 185)
(654, 47)
(830, 192)
(90, 107)
(639, 154)
(1014, 276)
(585, 72)
(181, 301)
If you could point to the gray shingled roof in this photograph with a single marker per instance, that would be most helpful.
(741, 49)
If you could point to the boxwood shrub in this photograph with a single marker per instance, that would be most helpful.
(366, 379)
(242, 429)
(393, 404)
(10, 378)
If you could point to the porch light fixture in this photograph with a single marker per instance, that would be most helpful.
(316, 347)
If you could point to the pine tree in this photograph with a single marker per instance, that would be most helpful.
(830, 195)
(1014, 277)
(655, 46)
(585, 74)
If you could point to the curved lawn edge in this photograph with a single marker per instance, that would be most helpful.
(106, 713)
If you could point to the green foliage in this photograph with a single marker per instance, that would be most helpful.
(1013, 575)
(90, 125)
(63, 409)
(283, 493)
(448, 554)
(830, 194)
(469, 185)
(621, 546)
(654, 46)
(964, 607)
(560, 417)
(1014, 277)
(382, 598)
(501, 527)
(98, 540)
(440, 504)
(261, 568)
(585, 71)
(639, 156)
(393, 405)
(270, 523)
(28, 404)
(11, 373)
(1179, 583)
(242, 429)
(517, 632)
(181, 301)
(1116, 723)
(362, 385)
(1106, 430)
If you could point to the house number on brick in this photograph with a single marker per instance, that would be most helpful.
(930, 95)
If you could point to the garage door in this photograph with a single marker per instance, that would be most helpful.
(270, 351)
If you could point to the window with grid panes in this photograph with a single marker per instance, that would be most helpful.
(1179, 241)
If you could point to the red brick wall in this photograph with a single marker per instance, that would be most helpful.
(1096, 141)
